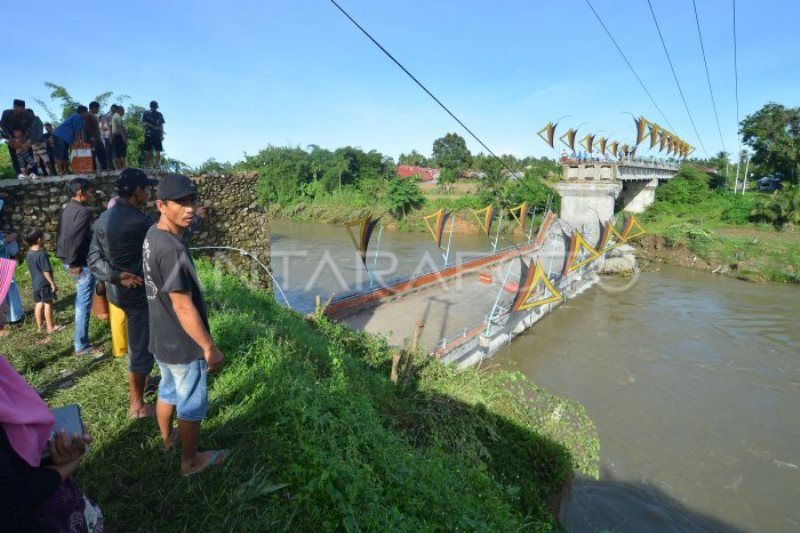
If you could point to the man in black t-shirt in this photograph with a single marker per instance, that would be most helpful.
(153, 122)
(179, 334)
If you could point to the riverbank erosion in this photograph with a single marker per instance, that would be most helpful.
(321, 438)
(749, 254)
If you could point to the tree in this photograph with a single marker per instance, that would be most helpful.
(6, 169)
(403, 195)
(284, 172)
(451, 152)
(414, 158)
(773, 132)
(62, 96)
(212, 166)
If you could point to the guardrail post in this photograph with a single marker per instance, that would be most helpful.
(412, 351)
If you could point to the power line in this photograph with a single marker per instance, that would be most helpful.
(736, 78)
(675, 76)
(404, 69)
(708, 75)
(633, 70)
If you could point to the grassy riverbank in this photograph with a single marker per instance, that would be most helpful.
(321, 438)
(693, 226)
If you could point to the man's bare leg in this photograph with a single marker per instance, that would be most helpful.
(48, 316)
(165, 413)
(38, 314)
(138, 408)
(191, 459)
(158, 160)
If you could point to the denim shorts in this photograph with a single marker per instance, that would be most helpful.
(185, 386)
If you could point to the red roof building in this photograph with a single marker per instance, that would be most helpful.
(425, 174)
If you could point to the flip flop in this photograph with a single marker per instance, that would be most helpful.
(218, 457)
(56, 329)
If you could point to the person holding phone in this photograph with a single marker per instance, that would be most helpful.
(38, 494)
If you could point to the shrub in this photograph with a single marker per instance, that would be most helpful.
(781, 208)
(738, 208)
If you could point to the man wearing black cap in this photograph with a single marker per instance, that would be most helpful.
(115, 256)
(180, 337)
(153, 122)
(14, 119)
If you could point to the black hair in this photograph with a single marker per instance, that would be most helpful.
(94, 105)
(34, 236)
(79, 184)
(19, 103)
(153, 104)
(47, 124)
(82, 109)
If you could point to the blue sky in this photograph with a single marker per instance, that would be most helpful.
(232, 77)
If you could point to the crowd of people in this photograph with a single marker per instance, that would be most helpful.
(146, 271)
(38, 149)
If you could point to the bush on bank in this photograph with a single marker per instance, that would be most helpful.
(321, 439)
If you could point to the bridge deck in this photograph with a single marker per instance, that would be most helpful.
(446, 307)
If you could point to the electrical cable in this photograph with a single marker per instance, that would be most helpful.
(708, 75)
(675, 77)
(736, 80)
(404, 69)
(627, 62)
(254, 258)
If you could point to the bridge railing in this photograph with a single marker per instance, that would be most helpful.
(625, 161)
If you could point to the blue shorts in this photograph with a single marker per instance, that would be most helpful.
(185, 386)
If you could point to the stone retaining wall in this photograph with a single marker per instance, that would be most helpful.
(234, 218)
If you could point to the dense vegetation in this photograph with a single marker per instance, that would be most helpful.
(321, 439)
(748, 235)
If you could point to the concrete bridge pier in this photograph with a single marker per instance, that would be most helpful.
(638, 195)
(584, 202)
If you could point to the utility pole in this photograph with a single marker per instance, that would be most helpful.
(736, 183)
(746, 167)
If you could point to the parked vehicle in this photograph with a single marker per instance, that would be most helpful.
(768, 183)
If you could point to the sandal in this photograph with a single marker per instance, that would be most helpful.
(218, 457)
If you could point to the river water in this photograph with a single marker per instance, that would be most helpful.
(693, 381)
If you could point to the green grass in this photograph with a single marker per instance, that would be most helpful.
(321, 439)
(716, 230)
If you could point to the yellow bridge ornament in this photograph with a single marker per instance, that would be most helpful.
(577, 245)
(570, 136)
(486, 223)
(520, 214)
(437, 228)
(587, 142)
(534, 277)
(548, 133)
